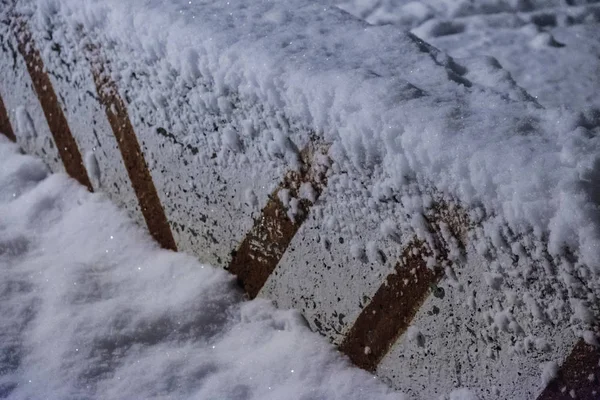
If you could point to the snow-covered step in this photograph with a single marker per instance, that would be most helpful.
(355, 173)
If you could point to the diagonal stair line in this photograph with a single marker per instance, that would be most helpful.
(57, 122)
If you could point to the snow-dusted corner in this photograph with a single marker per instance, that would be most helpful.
(448, 240)
(91, 308)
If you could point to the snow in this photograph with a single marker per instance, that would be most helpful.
(91, 308)
(549, 372)
(251, 198)
(590, 338)
(462, 394)
(357, 250)
(390, 230)
(306, 191)
(380, 96)
(550, 48)
(511, 135)
(494, 280)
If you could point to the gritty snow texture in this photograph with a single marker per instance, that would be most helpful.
(91, 308)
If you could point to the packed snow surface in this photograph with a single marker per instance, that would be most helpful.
(91, 308)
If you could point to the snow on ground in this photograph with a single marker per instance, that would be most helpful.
(554, 55)
(91, 308)
(550, 48)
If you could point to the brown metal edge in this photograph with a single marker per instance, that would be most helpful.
(394, 305)
(57, 122)
(381, 322)
(263, 246)
(391, 309)
(131, 152)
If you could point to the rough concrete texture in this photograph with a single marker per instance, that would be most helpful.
(455, 339)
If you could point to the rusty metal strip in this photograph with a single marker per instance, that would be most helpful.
(5, 126)
(262, 248)
(133, 158)
(579, 373)
(57, 122)
(393, 307)
(391, 310)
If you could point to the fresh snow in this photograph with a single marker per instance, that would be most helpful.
(506, 125)
(91, 308)
(548, 47)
